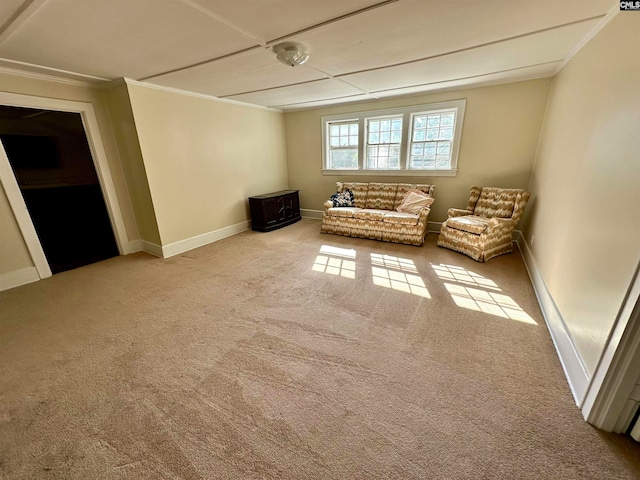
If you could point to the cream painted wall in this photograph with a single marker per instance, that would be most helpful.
(43, 88)
(126, 137)
(204, 157)
(14, 254)
(499, 137)
(586, 185)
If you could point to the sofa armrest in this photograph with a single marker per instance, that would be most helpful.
(423, 215)
(458, 212)
(327, 205)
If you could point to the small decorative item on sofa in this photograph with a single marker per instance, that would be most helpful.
(392, 212)
(485, 229)
(343, 199)
(413, 201)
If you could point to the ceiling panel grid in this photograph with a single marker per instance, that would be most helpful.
(359, 49)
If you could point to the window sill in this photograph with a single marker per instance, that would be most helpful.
(392, 173)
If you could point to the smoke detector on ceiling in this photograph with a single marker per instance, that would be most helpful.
(291, 53)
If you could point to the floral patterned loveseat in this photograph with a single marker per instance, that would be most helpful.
(485, 228)
(374, 215)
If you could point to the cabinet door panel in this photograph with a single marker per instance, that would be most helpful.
(280, 202)
(271, 208)
(288, 206)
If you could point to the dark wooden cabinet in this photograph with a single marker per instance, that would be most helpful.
(274, 210)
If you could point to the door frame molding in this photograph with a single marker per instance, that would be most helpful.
(616, 373)
(23, 219)
(100, 162)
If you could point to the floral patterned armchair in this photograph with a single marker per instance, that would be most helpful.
(485, 228)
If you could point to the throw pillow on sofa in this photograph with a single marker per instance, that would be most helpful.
(413, 201)
(343, 199)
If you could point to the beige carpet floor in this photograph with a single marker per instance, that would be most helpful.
(291, 355)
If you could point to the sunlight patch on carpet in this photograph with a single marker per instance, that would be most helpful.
(389, 261)
(337, 251)
(476, 292)
(488, 302)
(334, 261)
(462, 275)
(335, 266)
(398, 274)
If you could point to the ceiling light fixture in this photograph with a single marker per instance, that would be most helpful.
(290, 53)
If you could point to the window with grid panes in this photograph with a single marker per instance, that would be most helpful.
(431, 139)
(343, 145)
(383, 143)
(420, 140)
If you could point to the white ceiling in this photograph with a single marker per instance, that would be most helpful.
(359, 49)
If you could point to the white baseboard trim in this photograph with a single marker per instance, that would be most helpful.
(18, 277)
(434, 227)
(307, 213)
(151, 248)
(144, 246)
(132, 246)
(187, 244)
(572, 364)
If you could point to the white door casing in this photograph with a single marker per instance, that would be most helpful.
(12, 190)
(617, 370)
(100, 162)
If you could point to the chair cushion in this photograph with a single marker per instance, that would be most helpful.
(414, 201)
(404, 218)
(342, 211)
(469, 223)
(370, 214)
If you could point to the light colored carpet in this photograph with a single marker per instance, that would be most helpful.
(259, 357)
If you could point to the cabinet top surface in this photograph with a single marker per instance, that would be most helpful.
(275, 194)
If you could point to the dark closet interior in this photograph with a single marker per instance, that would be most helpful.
(51, 160)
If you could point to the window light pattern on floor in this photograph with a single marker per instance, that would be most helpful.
(336, 261)
(465, 295)
(462, 275)
(398, 274)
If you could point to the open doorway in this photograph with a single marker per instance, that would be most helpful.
(54, 169)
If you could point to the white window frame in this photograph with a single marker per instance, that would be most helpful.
(411, 142)
(366, 145)
(327, 143)
(407, 114)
